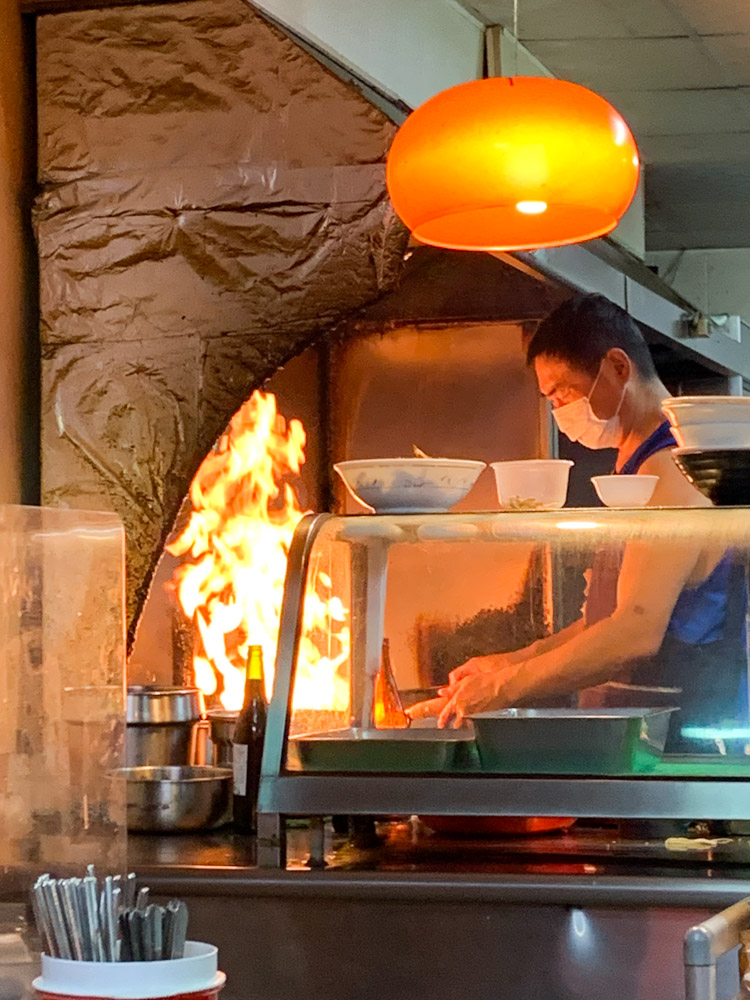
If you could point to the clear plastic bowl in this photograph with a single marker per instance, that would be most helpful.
(532, 484)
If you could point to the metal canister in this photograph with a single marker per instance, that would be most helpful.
(162, 725)
(222, 724)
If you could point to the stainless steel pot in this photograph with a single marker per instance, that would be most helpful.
(162, 725)
(222, 723)
(177, 798)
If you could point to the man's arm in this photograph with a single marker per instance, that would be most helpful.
(673, 489)
(549, 643)
(499, 661)
(651, 579)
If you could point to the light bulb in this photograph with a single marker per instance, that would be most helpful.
(531, 207)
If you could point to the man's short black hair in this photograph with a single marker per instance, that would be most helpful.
(582, 330)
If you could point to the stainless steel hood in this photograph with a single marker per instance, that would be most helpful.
(669, 321)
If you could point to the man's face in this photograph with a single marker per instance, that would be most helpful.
(562, 383)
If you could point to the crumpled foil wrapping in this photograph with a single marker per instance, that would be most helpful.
(212, 200)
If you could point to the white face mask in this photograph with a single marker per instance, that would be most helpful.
(578, 422)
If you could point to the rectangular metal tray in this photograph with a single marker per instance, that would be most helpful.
(389, 751)
(570, 741)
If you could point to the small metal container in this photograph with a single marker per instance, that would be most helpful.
(222, 723)
(570, 741)
(386, 750)
(169, 799)
(162, 725)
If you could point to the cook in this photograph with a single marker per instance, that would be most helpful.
(663, 624)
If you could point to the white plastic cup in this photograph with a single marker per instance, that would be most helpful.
(625, 491)
(194, 977)
(534, 484)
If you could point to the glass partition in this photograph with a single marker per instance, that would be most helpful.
(627, 635)
(61, 691)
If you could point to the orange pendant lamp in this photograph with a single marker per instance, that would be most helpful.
(512, 163)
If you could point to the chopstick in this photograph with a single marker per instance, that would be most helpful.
(79, 919)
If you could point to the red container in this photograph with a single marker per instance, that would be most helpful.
(211, 994)
(496, 826)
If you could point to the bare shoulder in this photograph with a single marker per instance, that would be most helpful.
(673, 489)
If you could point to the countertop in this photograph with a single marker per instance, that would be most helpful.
(585, 865)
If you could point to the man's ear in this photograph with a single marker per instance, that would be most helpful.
(620, 363)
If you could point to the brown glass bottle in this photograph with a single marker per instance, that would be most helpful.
(388, 711)
(247, 751)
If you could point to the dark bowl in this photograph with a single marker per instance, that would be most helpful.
(722, 476)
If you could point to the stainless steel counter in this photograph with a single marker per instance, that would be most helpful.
(584, 913)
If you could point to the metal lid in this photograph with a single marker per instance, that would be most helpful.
(155, 705)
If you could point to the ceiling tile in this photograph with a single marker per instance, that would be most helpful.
(551, 19)
(732, 52)
(697, 206)
(644, 18)
(709, 16)
(720, 148)
(629, 63)
(681, 112)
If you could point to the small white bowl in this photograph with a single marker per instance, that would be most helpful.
(532, 484)
(409, 485)
(625, 491)
(709, 422)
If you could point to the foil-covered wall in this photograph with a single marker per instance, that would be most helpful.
(212, 199)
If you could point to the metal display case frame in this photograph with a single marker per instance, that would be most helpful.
(292, 794)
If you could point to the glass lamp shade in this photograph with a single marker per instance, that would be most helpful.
(512, 163)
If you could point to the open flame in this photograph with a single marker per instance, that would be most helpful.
(235, 546)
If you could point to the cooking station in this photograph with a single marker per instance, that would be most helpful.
(230, 314)
(598, 906)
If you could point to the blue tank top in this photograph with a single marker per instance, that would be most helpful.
(700, 612)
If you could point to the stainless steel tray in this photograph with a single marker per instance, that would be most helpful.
(569, 741)
(395, 751)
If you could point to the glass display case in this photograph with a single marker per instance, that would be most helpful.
(614, 643)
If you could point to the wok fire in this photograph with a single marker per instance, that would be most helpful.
(234, 547)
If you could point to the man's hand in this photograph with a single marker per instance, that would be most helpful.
(426, 709)
(479, 665)
(475, 666)
(474, 693)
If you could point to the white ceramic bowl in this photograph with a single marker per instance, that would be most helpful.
(709, 422)
(625, 491)
(532, 484)
(409, 485)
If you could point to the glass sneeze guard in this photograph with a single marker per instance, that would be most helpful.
(656, 727)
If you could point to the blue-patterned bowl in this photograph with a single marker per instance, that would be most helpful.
(409, 485)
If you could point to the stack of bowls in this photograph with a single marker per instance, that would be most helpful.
(167, 785)
(162, 725)
(713, 438)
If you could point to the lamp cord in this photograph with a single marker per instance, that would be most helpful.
(515, 38)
